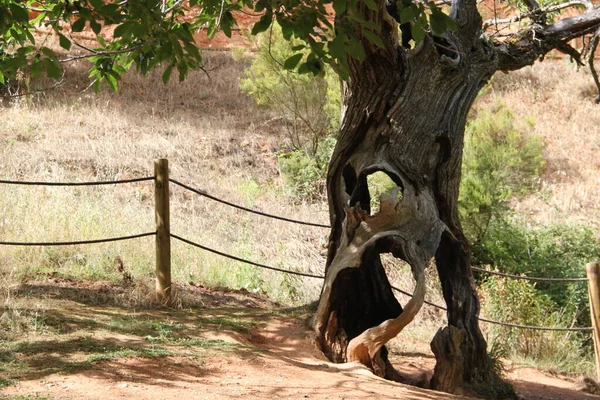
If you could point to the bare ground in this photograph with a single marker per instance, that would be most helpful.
(236, 345)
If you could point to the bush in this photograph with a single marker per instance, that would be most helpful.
(499, 162)
(558, 251)
(306, 175)
(308, 106)
(520, 302)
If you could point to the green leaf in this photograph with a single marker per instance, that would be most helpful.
(355, 49)
(373, 38)
(19, 14)
(53, 68)
(438, 25)
(287, 29)
(336, 46)
(112, 82)
(259, 6)
(293, 61)
(418, 32)
(264, 23)
(2, 78)
(123, 30)
(450, 22)
(372, 5)
(48, 53)
(78, 25)
(96, 27)
(339, 6)
(36, 68)
(183, 69)
(38, 19)
(64, 42)
(119, 69)
(304, 68)
(193, 51)
(407, 15)
(167, 74)
(227, 22)
(97, 3)
(343, 69)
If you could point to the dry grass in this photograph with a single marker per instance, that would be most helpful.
(559, 99)
(214, 138)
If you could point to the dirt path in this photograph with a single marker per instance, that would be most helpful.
(274, 359)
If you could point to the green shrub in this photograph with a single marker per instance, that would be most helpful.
(520, 302)
(379, 183)
(308, 106)
(558, 251)
(306, 175)
(499, 162)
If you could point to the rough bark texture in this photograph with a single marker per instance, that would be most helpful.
(404, 113)
(446, 346)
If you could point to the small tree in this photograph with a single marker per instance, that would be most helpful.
(500, 162)
(308, 105)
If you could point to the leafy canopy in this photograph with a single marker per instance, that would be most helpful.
(148, 33)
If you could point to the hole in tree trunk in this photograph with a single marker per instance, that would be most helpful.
(367, 188)
(378, 183)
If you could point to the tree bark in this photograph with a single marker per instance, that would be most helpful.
(404, 113)
(406, 119)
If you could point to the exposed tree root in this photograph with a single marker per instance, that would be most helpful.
(366, 348)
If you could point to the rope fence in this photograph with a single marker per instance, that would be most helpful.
(529, 278)
(92, 183)
(506, 324)
(163, 236)
(250, 210)
(285, 271)
(72, 243)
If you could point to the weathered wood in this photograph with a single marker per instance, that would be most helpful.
(449, 369)
(593, 274)
(366, 347)
(163, 231)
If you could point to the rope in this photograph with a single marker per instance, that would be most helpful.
(114, 239)
(245, 261)
(424, 301)
(95, 183)
(539, 328)
(203, 193)
(530, 278)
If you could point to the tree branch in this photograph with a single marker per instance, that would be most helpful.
(101, 53)
(468, 21)
(592, 53)
(524, 47)
(495, 21)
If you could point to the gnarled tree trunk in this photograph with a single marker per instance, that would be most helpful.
(404, 113)
(406, 119)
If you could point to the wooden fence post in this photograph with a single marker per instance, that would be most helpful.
(163, 231)
(593, 273)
